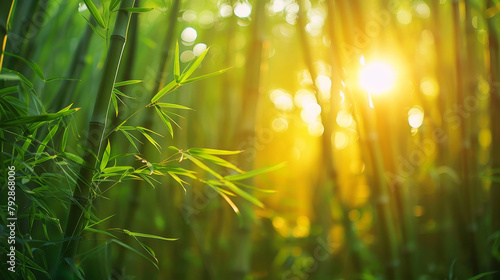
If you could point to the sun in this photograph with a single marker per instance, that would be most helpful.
(377, 77)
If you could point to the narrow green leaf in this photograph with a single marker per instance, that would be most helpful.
(136, 10)
(105, 157)
(99, 231)
(95, 13)
(73, 157)
(137, 234)
(177, 68)
(243, 194)
(126, 83)
(165, 120)
(212, 151)
(115, 104)
(204, 76)
(8, 90)
(193, 66)
(133, 250)
(64, 139)
(249, 174)
(150, 139)
(174, 106)
(113, 4)
(219, 161)
(230, 202)
(19, 75)
(164, 91)
(47, 138)
(203, 166)
(97, 31)
(130, 139)
(35, 67)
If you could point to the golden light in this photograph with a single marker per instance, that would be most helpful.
(377, 77)
(415, 117)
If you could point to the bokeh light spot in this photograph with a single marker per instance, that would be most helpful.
(189, 35)
(242, 9)
(415, 117)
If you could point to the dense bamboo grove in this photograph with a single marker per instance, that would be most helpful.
(280, 139)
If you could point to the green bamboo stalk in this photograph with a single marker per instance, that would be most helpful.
(78, 215)
(327, 180)
(240, 266)
(446, 241)
(147, 122)
(66, 91)
(468, 193)
(6, 13)
(336, 60)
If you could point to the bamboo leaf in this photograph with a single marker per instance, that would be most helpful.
(253, 173)
(133, 250)
(193, 67)
(174, 106)
(177, 68)
(219, 161)
(97, 31)
(35, 67)
(64, 140)
(212, 151)
(165, 120)
(73, 157)
(105, 157)
(95, 13)
(7, 91)
(137, 234)
(130, 139)
(203, 166)
(126, 83)
(137, 10)
(205, 76)
(113, 4)
(164, 91)
(115, 104)
(243, 194)
(47, 138)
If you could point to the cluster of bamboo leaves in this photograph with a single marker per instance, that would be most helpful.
(35, 142)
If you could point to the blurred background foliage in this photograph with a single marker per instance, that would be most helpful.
(385, 112)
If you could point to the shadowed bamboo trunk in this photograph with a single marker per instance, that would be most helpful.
(326, 184)
(82, 200)
(66, 92)
(6, 12)
(148, 121)
(468, 189)
(337, 77)
(240, 266)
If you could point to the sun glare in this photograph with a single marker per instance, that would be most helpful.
(377, 77)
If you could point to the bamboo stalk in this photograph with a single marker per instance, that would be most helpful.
(65, 94)
(468, 193)
(240, 266)
(78, 215)
(6, 14)
(147, 122)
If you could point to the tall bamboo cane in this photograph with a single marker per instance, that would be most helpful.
(5, 16)
(240, 266)
(78, 215)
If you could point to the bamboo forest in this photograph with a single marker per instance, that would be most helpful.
(250, 139)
